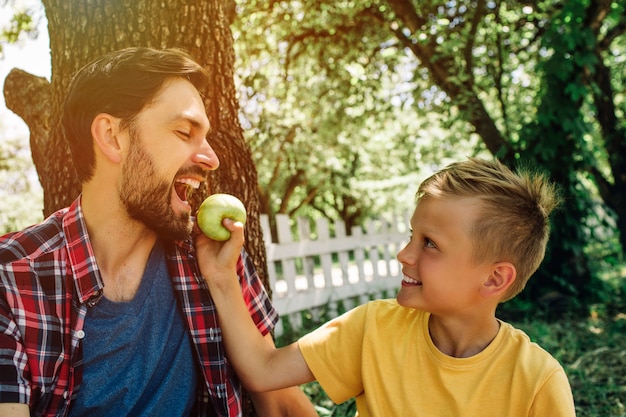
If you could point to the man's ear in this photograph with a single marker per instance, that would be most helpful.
(500, 279)
(105, 133)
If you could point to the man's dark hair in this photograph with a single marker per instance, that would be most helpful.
(120, 83)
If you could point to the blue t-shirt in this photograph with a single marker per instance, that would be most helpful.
(138, 359)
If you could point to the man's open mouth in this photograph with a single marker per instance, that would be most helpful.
(185, 186)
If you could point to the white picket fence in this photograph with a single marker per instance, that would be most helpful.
(314, 269)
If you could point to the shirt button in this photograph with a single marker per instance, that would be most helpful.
(66, 394)
(80, 334)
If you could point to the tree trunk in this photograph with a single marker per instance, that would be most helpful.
(614, 134)
(83, 30)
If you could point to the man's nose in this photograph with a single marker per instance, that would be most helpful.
(206, 157)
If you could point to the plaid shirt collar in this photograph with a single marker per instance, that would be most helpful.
(85, 270)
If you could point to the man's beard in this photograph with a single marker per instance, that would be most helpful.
(146, 198)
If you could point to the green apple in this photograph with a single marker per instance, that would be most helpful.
(216, 208)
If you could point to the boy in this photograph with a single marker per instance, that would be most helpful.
(478, 232)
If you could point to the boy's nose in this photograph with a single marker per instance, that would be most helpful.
(406, 255)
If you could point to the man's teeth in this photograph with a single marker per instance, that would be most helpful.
(190, 182)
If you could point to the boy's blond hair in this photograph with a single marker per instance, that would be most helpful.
(514, 225)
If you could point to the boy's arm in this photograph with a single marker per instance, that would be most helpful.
(14, 410)
(259, 365)
(287, 402)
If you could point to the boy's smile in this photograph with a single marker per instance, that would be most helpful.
(408, 281)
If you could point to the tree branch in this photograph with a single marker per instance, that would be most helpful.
(444, 73)
(29, 97)
(615, 32)
(596, 13)
(405, 10)
(468, 51)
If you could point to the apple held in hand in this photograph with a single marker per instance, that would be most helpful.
(216, 208)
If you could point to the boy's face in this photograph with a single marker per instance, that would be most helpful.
(440, 275)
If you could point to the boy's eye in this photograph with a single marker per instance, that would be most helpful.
(429, 243)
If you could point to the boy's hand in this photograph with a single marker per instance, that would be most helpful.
(218, 260)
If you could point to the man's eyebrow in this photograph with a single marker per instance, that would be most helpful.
(189, 119)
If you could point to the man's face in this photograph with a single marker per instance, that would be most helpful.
(168, 158)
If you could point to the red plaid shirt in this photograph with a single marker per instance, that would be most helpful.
(48, 279)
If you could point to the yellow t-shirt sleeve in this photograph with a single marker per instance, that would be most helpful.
(554, 398)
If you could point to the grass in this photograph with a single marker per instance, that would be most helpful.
(592, 353)
(592, 350)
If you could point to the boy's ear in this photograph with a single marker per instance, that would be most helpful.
(104, 130)
(501, 278)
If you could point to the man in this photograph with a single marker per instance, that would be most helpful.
(103, 310)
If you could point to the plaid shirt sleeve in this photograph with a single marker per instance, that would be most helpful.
(27, 349)
(13, 386)
(259, 305)
(37, 318)
(221, 383)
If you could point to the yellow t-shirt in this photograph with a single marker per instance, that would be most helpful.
(381, 353)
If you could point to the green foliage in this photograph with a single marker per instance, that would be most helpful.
(329, 108)
(21, 197)
(23, 22)
(348, 105)
(556, 142)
